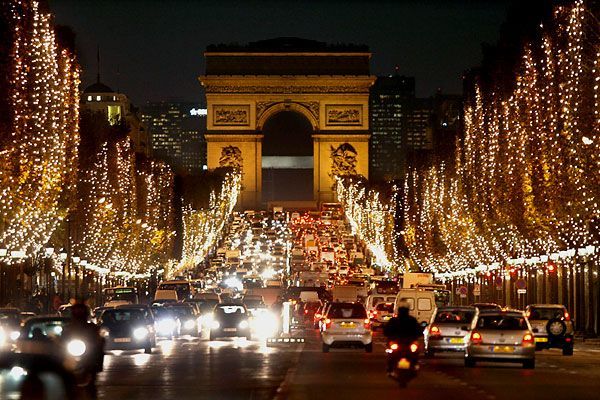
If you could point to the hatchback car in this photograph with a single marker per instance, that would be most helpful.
(448, 329)
(552, 327)
(381, 314)
(127, 329)
(189, 321)
(347, 324)
(502, 336)
(230, 320)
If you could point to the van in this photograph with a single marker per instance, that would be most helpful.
(164, 294)
(421, 303)
(375, 299)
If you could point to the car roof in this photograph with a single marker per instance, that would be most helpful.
(546, 305)
(503, 312)
(466, 308)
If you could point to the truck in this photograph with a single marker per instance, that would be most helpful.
(345, 293)
(414, 279)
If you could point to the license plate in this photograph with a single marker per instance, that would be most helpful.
(541, 339)
(456, 340)
(503, 349)
(348, 325)
(404, 364)
(229, 329)
(122, 340)
(386, 318)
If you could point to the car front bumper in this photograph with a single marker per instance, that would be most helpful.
(329, 338)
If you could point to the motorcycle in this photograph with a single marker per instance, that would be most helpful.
(84, 360)
(403, 358)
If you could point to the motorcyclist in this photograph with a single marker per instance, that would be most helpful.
(79, 328)
(403, 329)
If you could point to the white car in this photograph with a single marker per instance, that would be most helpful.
(347, 324)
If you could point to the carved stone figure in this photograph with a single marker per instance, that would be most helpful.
(231, 156)
(344, 159)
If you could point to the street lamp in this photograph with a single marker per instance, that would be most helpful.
(49, 251)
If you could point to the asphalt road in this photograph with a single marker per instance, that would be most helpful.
(240, 369)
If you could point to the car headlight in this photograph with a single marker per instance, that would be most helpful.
(140, 333)
(166, 325)
(104, 332)
(76, 347)
(243, 324)
(14, 335)
(215, 325)
(189, 324)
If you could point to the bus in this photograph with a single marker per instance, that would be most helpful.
(119, 295)
(182, 287)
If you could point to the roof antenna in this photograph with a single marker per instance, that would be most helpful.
(98, 64)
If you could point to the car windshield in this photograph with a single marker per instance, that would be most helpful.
(207, 305)
(49, 328)
(347, 311)
(233, 309)
(122, 316)
(541, 313)
(449, 316)
(162, 312)
(182, 311)
(501, 322)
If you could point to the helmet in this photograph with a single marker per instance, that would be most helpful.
(403, 307)
(80, 312)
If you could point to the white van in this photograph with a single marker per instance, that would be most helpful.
(375, 299)
(421, 303)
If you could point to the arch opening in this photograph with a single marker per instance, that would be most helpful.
(287, 157)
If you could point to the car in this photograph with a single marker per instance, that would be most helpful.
(127, 328)
(381, 314)
(487, 306)
(10, 326)
(552, 327)
(421, 303)
(166, 322)
(97, 313)
(47, 328)
(449, 329)
(500, 336)
(253, 302)
(308, 310)
(189, 321)
(230, 320)
(347, 324)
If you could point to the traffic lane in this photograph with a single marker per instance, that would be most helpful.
(555, 376)
(191, 368)
(354, 374)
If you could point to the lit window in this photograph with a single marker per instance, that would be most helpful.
(89, 98)
(98, 98)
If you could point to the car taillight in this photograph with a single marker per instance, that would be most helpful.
(327, 323)
(476, 338)
(367, 323)
(414, 347)
(434, 331)
(394, 346)
(567, 316)
(317, 315)
(305, 311)
(528, 338)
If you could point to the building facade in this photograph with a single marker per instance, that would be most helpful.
(254, 94)
(177, 134)
(117, 108)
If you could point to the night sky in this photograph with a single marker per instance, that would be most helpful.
(153, 50)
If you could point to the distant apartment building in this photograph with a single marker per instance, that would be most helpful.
(400, 126)
(116, 108)
(177, 134)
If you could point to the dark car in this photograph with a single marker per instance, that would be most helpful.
(166, 321)
(188, 319)
(10, 326)
(230, 320)
(127, 329)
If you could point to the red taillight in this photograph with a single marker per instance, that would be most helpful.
(528, 338)
(305, 311)
(567, 316)
(367, 323)
(434, 331)
(414, 347)
(568, 340)
(476, 338)
(394, 346)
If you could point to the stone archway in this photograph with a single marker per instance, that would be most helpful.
(287, 157)
(248, 86)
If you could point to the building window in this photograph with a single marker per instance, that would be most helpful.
(98, 98)
(89, 98)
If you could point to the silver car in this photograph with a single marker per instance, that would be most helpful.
(347, 324)
(449, 329)
(503, 336)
